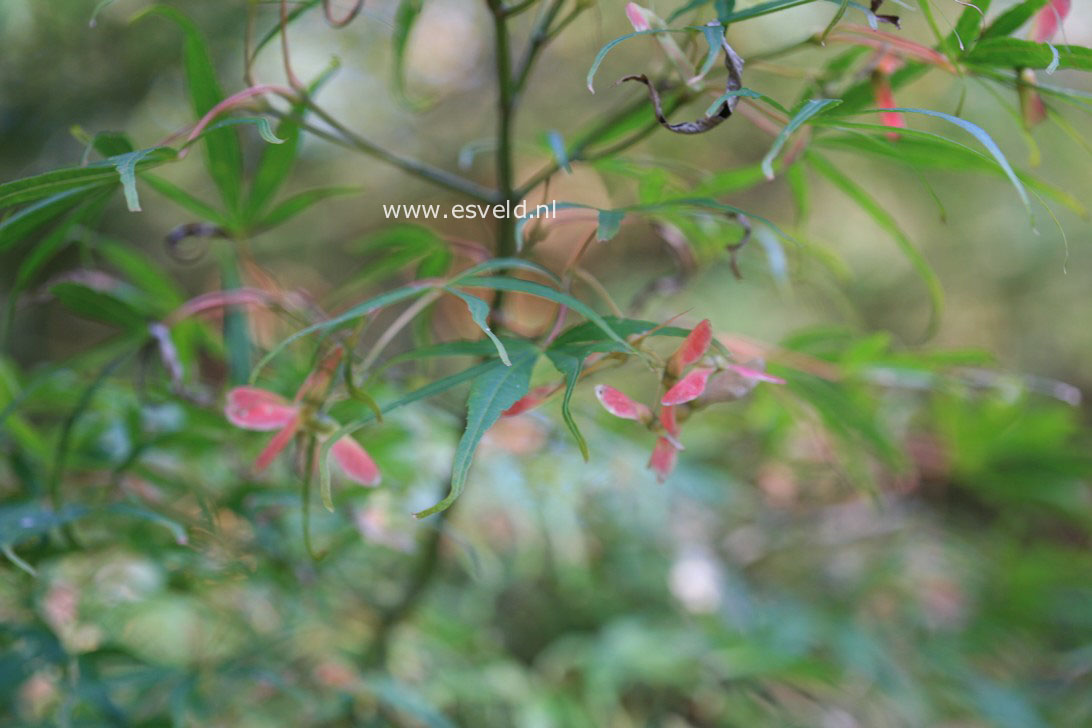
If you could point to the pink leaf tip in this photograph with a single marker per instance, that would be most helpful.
(622, 406)
(755, 374)
(664, 457)
(692, 349)
(688, 388)
(355, 461)
(1049, 19)
(637, 17)
(252, 408)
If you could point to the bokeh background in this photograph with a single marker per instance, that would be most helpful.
(783, 576)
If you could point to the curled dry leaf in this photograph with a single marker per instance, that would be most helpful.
(733, 63)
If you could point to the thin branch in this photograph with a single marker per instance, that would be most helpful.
(434, 175)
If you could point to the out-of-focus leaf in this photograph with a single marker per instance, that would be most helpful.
(404, 19)
(274, 166)
(236, 325)
(557, 146)
(21, 522)
(1012, 19)
(807, 111)
(99, 305)
(969, 23)
(184, 199)
(610, 222)
(224, 155)
(886, 221)
(985, 140)
(294, 205)
(921, 149)
(492, 392)
(1017, 53)
(30, 218)
(143, 273)
(361, 309)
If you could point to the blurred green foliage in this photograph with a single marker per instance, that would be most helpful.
(899, 535)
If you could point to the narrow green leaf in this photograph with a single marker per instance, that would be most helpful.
(274, 166)
(1017, 53)
(602, 54)
(886, 221)
(294, 205)
(102, 173)
(1013, 19)
(610, 222)
(236, 326)
(985, 140)
(494, 391)
(405, 17)
(807, 111)
(98, 305)
(431, 389)
(479, 312)
(557, 146)
(224, 155)
(516, 285)
(32, 217)
(507, 264)
(184, 199)
(837, 18)
(969, 23)
(361, 309)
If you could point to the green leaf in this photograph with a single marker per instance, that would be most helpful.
(294, 205)
(224, 156)
(807, 111)
(516, 285)
(1012, 19)
(96, 174)
(969, 23)
(837, 18)
(32, 217)
(274, 166)
(602, 54)
(139, 270)
(925, 149)
(747, 93)
(126, 165)
(1017, 53)
(610, 222)
(886, 221)
(404, 19)
(557, 147)
(494, 391)
(985, 140)
(361, 309)
(98, 305)
(184, 199)
(236, 327)
(431, 389)
(479, 312)
(507, 264)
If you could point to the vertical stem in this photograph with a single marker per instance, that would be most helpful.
(506, 229)
(236, 330)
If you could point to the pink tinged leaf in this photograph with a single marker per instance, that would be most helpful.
(279, 442)
(252, 408)
(688, 388)
(692, 349)
(637, 18)
(622, 406)
(355, 461)
(885, 99)
(755, 374)
(668, 420)
(528, 402)
(664, 457)
(1049, 19)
